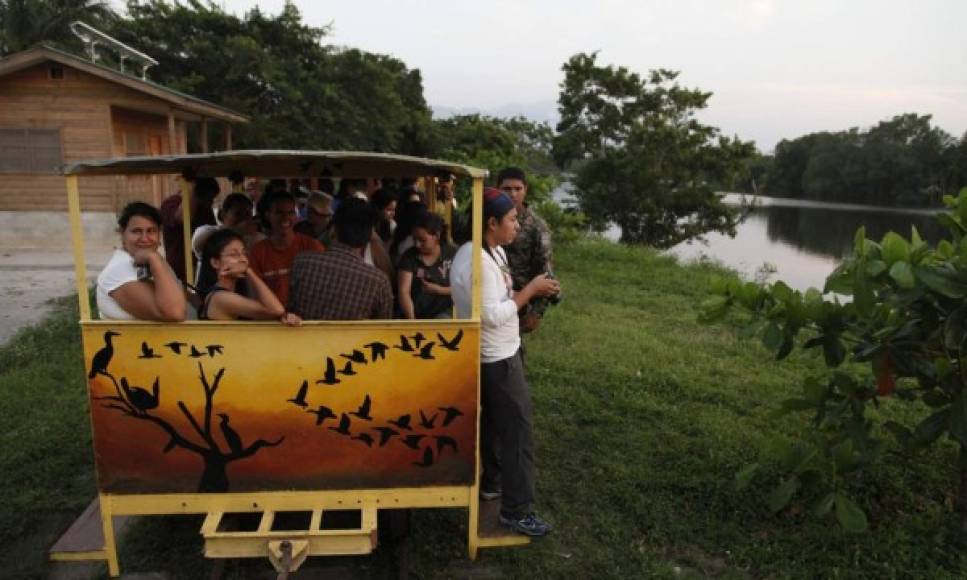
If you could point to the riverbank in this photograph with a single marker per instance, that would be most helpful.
(642, 417)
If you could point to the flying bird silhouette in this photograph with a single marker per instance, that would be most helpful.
(427, 458)
(412, 441)
(365, 438)
(330, 377)
(356, 356)
(176, 346)
(322, 414)
(214, 349)
(442, 442)
(363, 412)
(451, 414)
(417, 339)
(300, 398)
(427, 423)
(385, 433)
(195, 353)
(147, 351)
(231, 436)
(452, 343)
(425, 353)
(348, 369)
(403, 422)
(404, 344)
(102, 358)
(141, 398)
(377, 350)
(343, 427)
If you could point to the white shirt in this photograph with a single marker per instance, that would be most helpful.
(119, 271)
(500, 330)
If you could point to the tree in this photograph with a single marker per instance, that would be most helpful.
(641, 159)
(904, 335)
(25, 23)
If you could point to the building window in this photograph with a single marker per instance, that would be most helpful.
(30, 151)
(57, 73)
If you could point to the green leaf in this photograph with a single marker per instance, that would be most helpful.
(930, 428)
(955, 328)
(833, 350)
(943, 281)
(782, 494)
(859, 242)
(894, 248)
(745, 476)
(824, 505)
(875, 267)
(902, 273)
(936, 398)
(901, 433)
(957, 419)
(772, 338)
(844, 456)
(713, 308)
(850, 515)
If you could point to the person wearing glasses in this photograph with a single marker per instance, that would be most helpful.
(318, 215)
(225, 282)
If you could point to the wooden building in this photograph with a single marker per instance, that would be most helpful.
(58, 108)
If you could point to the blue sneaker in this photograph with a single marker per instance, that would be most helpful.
(529, 525)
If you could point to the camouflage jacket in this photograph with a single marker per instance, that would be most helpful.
(530, 254)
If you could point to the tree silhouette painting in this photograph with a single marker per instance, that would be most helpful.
(138, 403)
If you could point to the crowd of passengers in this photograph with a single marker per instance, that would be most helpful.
(286, 253)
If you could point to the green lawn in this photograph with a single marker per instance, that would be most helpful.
(643, 416)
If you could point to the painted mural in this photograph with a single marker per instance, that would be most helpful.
(187, 408)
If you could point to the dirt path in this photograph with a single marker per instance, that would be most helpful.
(30, 278)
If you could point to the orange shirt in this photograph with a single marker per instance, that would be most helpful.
(273, 265)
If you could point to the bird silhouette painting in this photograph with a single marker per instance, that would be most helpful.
(385, 434)
(412, 441)
(300, 397)
(356, 356)
(453, 343)
(427, 423)
(195, 353)
(343, 428)
(417, 339)
(102, 358)
(377, 350)
(426, 352)
(140, 398)
(147, 351)
(176, 346)
(348, 369)
(230, 435)
(363, 412)
(404, 344)
(365, 438)
(214, 349)
(403, 422)
(330, 377)
(442, 442)
(322, 413)
(450, 413)
(427, 458)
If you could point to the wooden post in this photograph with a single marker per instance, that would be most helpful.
(77, 233)
(477, 236)
(204, 134)
(186, 193)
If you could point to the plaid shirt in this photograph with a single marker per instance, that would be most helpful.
(338, 285)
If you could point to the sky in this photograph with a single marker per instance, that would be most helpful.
(777, 68)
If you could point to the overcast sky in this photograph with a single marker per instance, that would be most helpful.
(777, 68)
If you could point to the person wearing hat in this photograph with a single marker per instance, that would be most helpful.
(506, 440)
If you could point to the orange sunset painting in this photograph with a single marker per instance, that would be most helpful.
(261, 408)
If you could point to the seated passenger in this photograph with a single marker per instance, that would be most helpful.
(204, 192)
(235, 214)
(224, 253)
(272, 258)
(384, 202)
(318, 217)
(137, 283)
(424, 272)
(337, 284)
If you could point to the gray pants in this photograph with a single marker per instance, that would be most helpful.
(506, 438)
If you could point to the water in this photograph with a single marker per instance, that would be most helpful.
(799, 242)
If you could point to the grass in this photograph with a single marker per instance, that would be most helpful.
(642, 418)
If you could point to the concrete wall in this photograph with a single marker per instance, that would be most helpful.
(51, 230)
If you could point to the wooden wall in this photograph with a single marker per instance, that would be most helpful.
(85, 108)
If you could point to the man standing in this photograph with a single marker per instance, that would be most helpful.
(506, 439)
(272, 257)
(338, 284)
(530, 253)
(205, 191)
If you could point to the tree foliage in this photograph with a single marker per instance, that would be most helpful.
(25, 23)
(902, 161)
(903, 335)
(640, 157)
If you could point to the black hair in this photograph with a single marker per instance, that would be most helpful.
(382, 197)
(267, 202)
(327, 186)
(430, 222)
(216, 242)
(353, 221)
(207, 187)
(140, 209)
(349, 186)
(406, 215)
(511, 173)
(235, 201)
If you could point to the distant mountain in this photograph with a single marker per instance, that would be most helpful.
(539, 112)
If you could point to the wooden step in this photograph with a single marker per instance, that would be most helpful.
(84, 539)
(491, 533)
